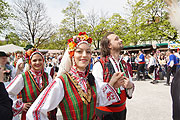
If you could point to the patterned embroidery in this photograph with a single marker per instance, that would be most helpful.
(104, 89)
(36, 112)
(85, 97)
(17, 108)
(80, 77)
(37, 86)
(110, 93)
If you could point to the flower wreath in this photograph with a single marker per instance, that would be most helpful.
(30, 53)
(76, 40)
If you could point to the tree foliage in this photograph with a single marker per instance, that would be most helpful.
(149, 22)
(5, 15)
(33, 24)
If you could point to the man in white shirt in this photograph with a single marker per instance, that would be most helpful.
(111, 63)
(151, 66)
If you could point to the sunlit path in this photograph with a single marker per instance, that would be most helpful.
(150, 102)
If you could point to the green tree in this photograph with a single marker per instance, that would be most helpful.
(74, 18)
(118, 25)
(33, 24)
(135, 20)
(73, 23)
(13, 38)
(158, 25)
(149, 22)
(5, 15)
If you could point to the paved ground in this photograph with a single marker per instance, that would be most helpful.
(149, 102)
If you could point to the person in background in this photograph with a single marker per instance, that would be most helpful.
(178, 60)
(171, 66)
(133, 62)
(141, 65)
(9, 70)
(28, 47)
(151, 67)
(127, 59)
(162, 63)
(30, 83)
(110, 64)
(18, 55)
(5, 102)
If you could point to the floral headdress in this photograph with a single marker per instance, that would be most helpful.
(73, 43)
(77, 40)
(29, 53)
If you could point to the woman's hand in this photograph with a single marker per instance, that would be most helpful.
(26, 106)
(21, 66)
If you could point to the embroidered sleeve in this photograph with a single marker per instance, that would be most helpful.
(110, 93)
(17, 106)
(15, 86)
(48, 100)
(106, 94)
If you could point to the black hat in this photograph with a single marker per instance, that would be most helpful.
(3, 54)
(28, 47)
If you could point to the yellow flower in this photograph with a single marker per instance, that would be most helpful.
(86, 37)
(72, 45)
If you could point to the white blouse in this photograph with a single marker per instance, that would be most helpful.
(51, 97)
(14, 87)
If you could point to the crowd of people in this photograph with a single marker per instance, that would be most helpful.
(153, 65)
(75, 81)
(93, 84)
(84, 85)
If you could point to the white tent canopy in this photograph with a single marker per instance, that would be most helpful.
(11, 48)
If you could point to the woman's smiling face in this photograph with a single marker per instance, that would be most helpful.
(37, 62)
(82, 56)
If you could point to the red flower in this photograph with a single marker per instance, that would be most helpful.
(70, 40)
(89, 40)
(82, 33)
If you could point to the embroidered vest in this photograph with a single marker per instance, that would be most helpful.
(72, 106)
(108, 71)
(31, 90)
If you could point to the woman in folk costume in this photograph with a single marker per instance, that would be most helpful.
(75, 90)
(30, 84)
(174, 17)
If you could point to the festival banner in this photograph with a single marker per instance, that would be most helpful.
(174, 45)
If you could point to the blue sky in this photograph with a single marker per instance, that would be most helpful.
(54, 7)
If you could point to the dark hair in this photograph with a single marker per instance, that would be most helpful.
(105, 50)
(3, 54)
(171, 51)
(56, 69)
(162, 58)
(126, 53)
(141, 50)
